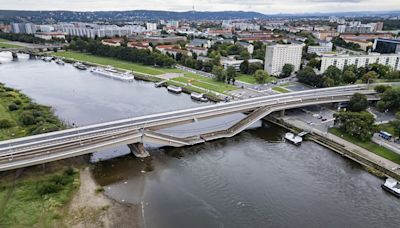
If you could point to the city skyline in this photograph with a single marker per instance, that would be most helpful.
(262, 6)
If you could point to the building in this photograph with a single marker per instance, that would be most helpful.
(321, 48)
(325, 35)
(228, 62)
(278, 55)
(387, 46)
(174, 24)
(340, 61)
(151, 26)
(366, 36)
(139, 45)
(198, 50)
(249, 47)
(50, 35)
(365, 45)
(165, 39)
(357, 27)
(200, 43)
(115, 42)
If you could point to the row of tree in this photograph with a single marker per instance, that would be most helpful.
(27, 38)
(142, 56)
(349, 75)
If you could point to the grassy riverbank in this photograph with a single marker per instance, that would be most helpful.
(37, 201)
(5, 44)
(204, 82)
(252, 80)
(20, 116)
(368, 145)
(106, 61)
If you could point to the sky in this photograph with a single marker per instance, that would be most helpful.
(262, 6)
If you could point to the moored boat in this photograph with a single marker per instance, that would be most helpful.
(392, 186)
(198, 97)
(174, 89)
(112, 73)
(59, 62)
(80, 66)
(296, 140)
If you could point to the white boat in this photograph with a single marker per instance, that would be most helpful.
(80, 66)
(296, 140)
(198, 97)
(60, 62)
(392, 186)
(47, 59)
(174, 89)
(112, 73)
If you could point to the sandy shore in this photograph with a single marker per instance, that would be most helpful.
(91, 208)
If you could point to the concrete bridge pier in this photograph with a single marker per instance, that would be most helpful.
(14, 56)
(138, 150)
(32, 56)
(282, 113)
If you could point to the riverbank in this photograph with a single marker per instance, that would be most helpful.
(190, 82)
(373, 163)
(91, 208)
(20, 116)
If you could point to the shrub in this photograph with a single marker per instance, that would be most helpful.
(13, 107)
(47, 188)
(18, 102)
(27, 118)
(4, 123)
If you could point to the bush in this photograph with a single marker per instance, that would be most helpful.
(4, 123)
(13, 107)
(47, 188)
(27, 118)
(18, 102)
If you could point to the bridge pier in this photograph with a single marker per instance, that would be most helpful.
(138, 150)
(14, 56)
(282, 113)
(32, 56)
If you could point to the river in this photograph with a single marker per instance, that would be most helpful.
(251, 180)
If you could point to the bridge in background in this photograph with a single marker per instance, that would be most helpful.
(39, 149)
(32, 50)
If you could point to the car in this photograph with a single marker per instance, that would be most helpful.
(323, 119)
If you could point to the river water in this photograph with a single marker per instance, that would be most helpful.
(251, 180)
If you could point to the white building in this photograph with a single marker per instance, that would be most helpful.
(173, 24)
(278, 55)
(340, 61)
(321, 48)
(50, 35)
(227, 62)
(151, 26)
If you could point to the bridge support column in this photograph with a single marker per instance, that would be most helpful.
(138, 150)
(14, 56)
(32, 56)
(282, 113)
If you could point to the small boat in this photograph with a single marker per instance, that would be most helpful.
(198, 97)
(47, 59)
(296, 140)
(392, 186)
(80, 66)
(174, 89)
(60, 62)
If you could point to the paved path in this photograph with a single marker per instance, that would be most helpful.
(349, 146)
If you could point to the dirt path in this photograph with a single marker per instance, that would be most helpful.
(90, 209)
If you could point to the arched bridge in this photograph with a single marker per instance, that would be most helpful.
(63, 144)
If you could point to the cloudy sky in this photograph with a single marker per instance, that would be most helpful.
(263, 6)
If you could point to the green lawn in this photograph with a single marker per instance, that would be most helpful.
(387, 127)
(37, 201)
(371, 146)
(4, 44)
(251, 80)
(280, 89)
(204, 82)
(116, 63)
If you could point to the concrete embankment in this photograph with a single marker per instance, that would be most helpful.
(375, 164)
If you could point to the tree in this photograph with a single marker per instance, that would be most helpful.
(328, 82)
(219, 73)
(244, 67)
(244, 54)
(261, 76)
(381, 88)
(358, 103)
(390, 100)
(230, 74)
(5, 123)
(253, 67)
(349, 77)
(308, 76)
(334, 73)
(13, 107)
(287, 70)
(369, 77)
(314, 63)
(360, 125)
